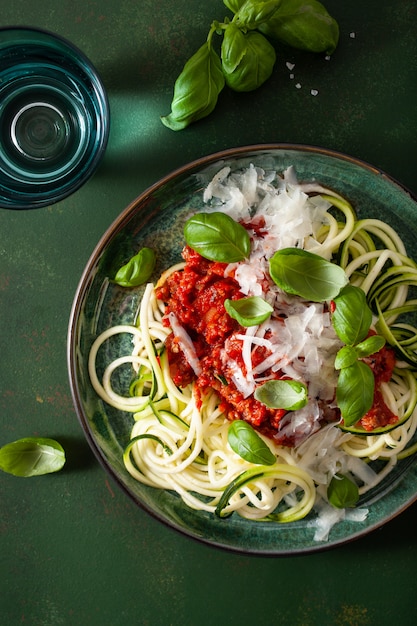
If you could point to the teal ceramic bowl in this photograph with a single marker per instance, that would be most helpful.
(156, 219)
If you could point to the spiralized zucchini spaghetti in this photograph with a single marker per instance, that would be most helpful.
(184, 398)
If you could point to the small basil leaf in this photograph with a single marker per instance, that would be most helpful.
(246, 442)
(290, 395)
(306, 274)
(303, 24)
(233, 48)
(247, 59)
(248, 311)
(345, 357)
(137, 270)
(217, 237)
(342, 492)
(196, 89)
(355, 392)
(252, 13)
(32, 456)
(370, 345)
(351, 317)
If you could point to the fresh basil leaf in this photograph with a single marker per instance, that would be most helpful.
(234, 5)
(233, 48)
(305, 274)
(217, 237)
(345, 357)
(371, 345)
(342, 492)
(253, 13)
(248, 311)
(32, 456)
(246, 442)
(303, 24)
(355, 392)
(290, 395)
(247, 59)
(351, 317)
(196, 89)
(137, 270)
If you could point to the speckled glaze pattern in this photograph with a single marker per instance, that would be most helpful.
(156, 219)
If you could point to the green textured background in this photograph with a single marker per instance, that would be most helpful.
(74, 550)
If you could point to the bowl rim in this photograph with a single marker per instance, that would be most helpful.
(82, 288)
(105, 105)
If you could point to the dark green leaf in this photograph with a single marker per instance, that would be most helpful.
(355, 392)
(248, 311)
(217, 237)
(303, 24)
(246, 442)
(253, 13)
(247, 59)
(342, 492)
(290, 395)
(371, 345)
(307, 275)
(137, 270)
(352, 317)
(32, 456)
(196, 89)
(345, 357)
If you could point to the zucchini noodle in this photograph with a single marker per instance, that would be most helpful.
(181, 444)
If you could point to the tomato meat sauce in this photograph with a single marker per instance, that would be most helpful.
(196, 296)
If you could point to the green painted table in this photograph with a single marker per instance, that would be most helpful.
(74, 550)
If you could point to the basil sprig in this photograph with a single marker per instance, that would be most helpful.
(351, 319)
(137, 270)
(32, 456)
(249, 311)
(307, 275)
(247, 57)
(246, 442)
(217, 237)
(342, 492)
(290, 395)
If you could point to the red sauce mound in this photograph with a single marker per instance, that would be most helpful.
(382, 364)
(196, 295)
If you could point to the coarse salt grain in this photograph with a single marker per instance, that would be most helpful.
(290, 66)
(352, 35)
(298, 85)
(314, 92)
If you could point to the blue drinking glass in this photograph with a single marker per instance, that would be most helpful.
(54, 118)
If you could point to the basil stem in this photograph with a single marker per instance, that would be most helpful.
(342, 492)
(246, 442)
(248, 311)
(137, 270)
(290, 395)
(32, 456)
(217, 237)
(196, 89)
(305, 274)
